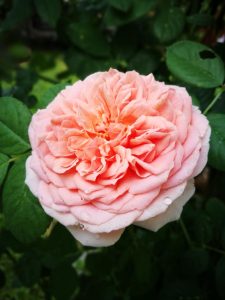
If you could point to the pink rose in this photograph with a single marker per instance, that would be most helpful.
(113, 150)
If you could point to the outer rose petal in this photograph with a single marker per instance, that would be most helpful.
(172, 213)
(31, 180)
(95, 239)
(203, 154)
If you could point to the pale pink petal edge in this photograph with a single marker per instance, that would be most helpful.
(172, 213)
(31, 180)
(87, 238)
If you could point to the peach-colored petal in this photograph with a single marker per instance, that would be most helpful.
(186, 171)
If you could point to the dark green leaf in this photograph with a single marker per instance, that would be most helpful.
(83, 65)
(2, 279)
(123, 5)
(64, 275)
(200, 19)
(220, 276)
(4, 163)
(217, 141)
(24, 216)
(49, 11)
(144, 62)
(223, 237)
(195, 64)
(28, 269)
(215, 208)
(49, 95)
(53, 249)
(19, 52)
(180, 289)
(89, 38)
(115, 17)
(194, 262)
(14, 121)
(25, 79)
(195, 100)
(125, 42)
(199, 224)
(169, 24)
(19, 13)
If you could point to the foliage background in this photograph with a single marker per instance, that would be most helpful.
(47, 44)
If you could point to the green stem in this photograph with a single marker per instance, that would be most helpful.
(16, 157)
(49, 229)
(214, 249)
(211, 104)
(186, 234)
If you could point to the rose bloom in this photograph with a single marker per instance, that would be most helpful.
(113, 150)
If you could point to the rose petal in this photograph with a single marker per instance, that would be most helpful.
(32, 180)
(87, 238)
(172, 213)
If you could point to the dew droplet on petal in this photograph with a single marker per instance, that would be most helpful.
(81, 226)
(167, 201)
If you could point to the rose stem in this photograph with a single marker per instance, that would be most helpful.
(219, 92)
(186, 234)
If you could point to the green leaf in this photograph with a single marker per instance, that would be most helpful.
(144, 62)
(223, 237)
(215, 209)
(82, 64)
(200, 19)
(194, 262)
(64, 275)
(58, 245)
(21, 10)
(169, 24)
(4, 163)
(220, 275)
(125, 42)
(89, 38)
(50, 94)
(24, 216)
(123, 5)
(217, 141)
(179, 289)
(195, 64)
(49, 11)
(28, 269)
(14, 121)
(195, 100)
(114, 17)
(19, 52)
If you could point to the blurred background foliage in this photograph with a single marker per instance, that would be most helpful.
(48, 44)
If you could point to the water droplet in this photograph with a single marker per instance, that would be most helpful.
(167, 201)
(81, 226)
